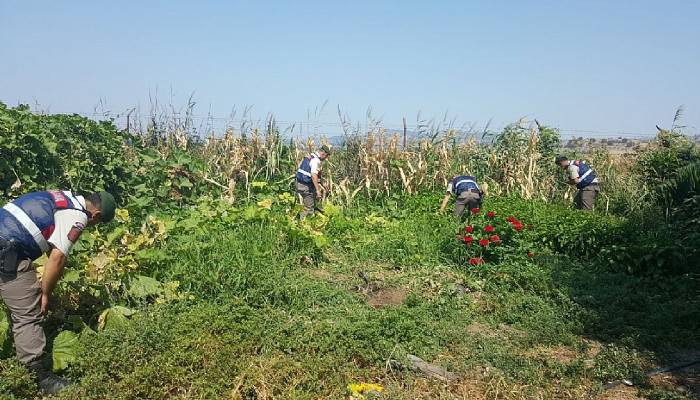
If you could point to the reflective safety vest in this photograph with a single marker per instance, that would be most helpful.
(586, 175)
(463, 183)
(29, 220)
(304, 171)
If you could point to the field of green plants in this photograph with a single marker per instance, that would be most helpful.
(208, 286)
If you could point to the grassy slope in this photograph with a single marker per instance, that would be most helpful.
(272, 322)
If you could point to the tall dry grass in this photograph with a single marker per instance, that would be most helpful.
(517, 160)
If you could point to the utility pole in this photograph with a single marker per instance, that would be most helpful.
(404, 133)
(128, 119)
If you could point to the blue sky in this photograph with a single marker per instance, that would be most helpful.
(611, 66)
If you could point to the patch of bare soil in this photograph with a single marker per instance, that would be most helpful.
(477, 328)
(469, 387)
(621, 392)
(387, 297)
(472, 388)
(509, 330)
(593, 348)
(481, 301)
(686, 381)
(562, 354)
(477, 297)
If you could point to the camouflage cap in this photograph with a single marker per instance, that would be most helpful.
(108, 206)
(326, 149)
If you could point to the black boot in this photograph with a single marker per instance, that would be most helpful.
(47, 381)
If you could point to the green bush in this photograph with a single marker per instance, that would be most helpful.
(61, 151)
(17, 382)
(661, 161)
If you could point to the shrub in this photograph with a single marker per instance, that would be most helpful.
(61, 151)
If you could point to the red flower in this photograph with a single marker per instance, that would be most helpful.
(468, 239)
(530, 254)
(513, 221)
(483, 242)
(488, 228)
(518, 226)
(476, 261)
(495, 238)
(475, 210)
(469, 229)
(490, 214)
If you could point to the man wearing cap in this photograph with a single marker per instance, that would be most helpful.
(585, 180)
(308, 184)
(467, 191)
(47, 222)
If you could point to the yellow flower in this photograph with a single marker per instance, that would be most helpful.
(359, 390)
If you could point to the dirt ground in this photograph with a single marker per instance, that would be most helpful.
(386, 297)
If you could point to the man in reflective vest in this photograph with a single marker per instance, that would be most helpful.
(467, 191)
(308, 184)
(585, 179)
(37, 223)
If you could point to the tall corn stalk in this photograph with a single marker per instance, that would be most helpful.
(513, 161)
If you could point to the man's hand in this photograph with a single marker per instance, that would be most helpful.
(52, 273)
(44, 303)
(444, 203)
(317, 186)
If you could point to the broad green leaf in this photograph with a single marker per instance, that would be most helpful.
(65, 350)
(184, 183)
(50, 146)
(320, 241)
(127, 312)
(150, 157)
(250, 212)
(331, 210)
(71, 276)
(114, 235)
(114, 318)
(142, 287)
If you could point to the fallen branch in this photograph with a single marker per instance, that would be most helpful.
(430, 370)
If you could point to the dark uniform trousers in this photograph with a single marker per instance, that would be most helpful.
(21, 293)
(466, 200)
(307, 192)
(585, 198)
